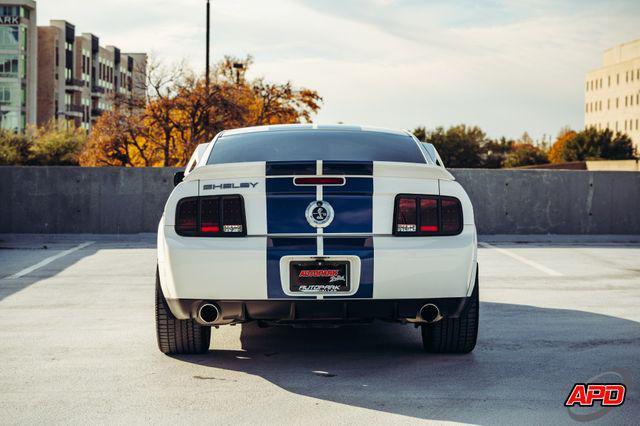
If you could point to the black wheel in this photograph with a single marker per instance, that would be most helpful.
(177, 336)
(454, 335)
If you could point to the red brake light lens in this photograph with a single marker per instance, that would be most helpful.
(186, 216)
(417, 215)
(429, 214)
(232, 217)
(451, 214)
(407, 219)
(218, 216)
(210, 215)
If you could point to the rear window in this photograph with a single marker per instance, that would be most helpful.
(315, 145)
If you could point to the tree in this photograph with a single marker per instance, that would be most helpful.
(459, 146)
(420, 133)
(14, 148)
(557, 149)
(592, 143)
(494, 152)
(181, 113)
(525, 154)
(57, 143)
(118, 139)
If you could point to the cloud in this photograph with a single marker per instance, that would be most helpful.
(506, 66)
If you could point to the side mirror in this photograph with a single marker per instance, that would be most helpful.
(177, 178)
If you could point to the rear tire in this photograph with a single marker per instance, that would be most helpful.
(177, 336)
(454, 335)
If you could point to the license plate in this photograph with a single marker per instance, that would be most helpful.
(319, 276)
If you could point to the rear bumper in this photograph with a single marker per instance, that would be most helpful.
(319, 311)
(250, 268)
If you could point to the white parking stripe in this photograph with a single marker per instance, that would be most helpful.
(526, 261)
(48, 260)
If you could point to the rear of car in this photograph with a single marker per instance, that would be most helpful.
(317, 225)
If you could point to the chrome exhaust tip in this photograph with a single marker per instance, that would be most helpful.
(208, 313)
(430, 313)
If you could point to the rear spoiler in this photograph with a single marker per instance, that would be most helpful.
(410, 170)
(230, 170)
(380, 169)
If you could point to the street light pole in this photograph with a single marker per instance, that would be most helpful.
(208, 48)
(206, 76)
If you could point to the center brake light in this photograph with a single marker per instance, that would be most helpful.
(212, 216)
(319, 181)
(421, 215)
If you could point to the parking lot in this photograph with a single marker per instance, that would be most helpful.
(77, 344)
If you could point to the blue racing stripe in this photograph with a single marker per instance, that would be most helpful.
(286, 206)
(290, 168)
(355, 246)
(352, 204)
(363, 168)
(276, 249)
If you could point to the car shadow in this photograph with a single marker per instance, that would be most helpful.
(524, 365)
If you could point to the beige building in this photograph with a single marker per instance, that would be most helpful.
(79, 79)
(612, 92)
(18, 72)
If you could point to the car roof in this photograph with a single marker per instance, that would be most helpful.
(312, 127)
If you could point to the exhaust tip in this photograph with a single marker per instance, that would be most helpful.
(208, 313)
(430, 313)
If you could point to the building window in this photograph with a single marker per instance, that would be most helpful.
(9, 38)
(617, 105)
(8, 66)
(608, 103)
(609, 81)
(618, 79)
(10, 10)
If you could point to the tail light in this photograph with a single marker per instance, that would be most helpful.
(427, 215)
(220, 216)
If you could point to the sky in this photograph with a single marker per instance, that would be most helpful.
(506, 66)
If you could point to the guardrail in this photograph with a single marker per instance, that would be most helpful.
(130, 200)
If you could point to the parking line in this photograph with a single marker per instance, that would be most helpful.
(526, 261)
(48, 260)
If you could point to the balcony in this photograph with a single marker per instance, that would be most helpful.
(96, 112)
(74, 110)
(74, 84)
(97, 90)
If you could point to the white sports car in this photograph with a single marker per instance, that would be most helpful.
(318, 226)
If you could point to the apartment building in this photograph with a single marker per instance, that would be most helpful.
(79, 79)
(612, 92)
(18, 72)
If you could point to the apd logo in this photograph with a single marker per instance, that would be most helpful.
(319, 214)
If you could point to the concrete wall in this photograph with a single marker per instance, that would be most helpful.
(125, 200)
(107, 200)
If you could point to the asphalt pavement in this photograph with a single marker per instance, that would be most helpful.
(77, 344)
